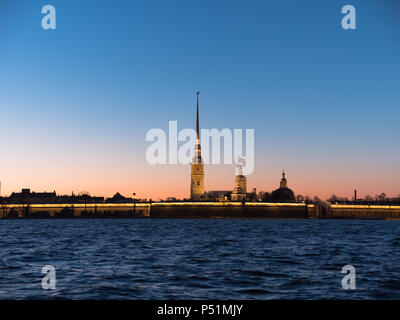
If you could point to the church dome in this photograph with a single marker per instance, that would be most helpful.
(283, 194)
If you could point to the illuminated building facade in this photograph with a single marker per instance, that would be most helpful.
(240, 190)
(197, 165)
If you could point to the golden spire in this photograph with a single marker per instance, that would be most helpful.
(197, 123)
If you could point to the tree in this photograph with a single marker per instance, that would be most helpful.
(266, 197)
(381, 197)
(316, 199)
(396, 199)
(332, 199)
(368, 198)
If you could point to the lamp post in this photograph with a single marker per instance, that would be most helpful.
(134, 203)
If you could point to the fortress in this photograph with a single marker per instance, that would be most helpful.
(198, 210)
(237, 203)
(239, 193)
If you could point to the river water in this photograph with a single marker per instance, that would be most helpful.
(199, 259)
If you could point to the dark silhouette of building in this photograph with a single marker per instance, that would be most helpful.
(83, 198)
(283, 194)
(26, 197)
(118, 198)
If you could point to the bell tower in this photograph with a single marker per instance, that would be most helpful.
(197, 165)
(240, 190)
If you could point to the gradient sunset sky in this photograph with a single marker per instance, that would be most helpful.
(76, 102)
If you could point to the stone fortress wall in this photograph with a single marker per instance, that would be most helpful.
(202, 210)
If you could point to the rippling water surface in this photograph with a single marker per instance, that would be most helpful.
(199, 259)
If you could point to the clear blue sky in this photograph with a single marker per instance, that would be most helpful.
(324, 102)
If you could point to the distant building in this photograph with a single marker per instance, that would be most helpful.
(218, 195)
(27, 197)
(83, 198)
(283, 194)
(118, 198)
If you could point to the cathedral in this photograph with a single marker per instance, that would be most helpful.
(197, 165)
(239, 193)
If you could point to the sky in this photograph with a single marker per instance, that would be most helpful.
(76, 102)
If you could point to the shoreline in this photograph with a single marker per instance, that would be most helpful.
(200, 210)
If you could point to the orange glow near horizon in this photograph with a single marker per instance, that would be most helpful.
(162, 181)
